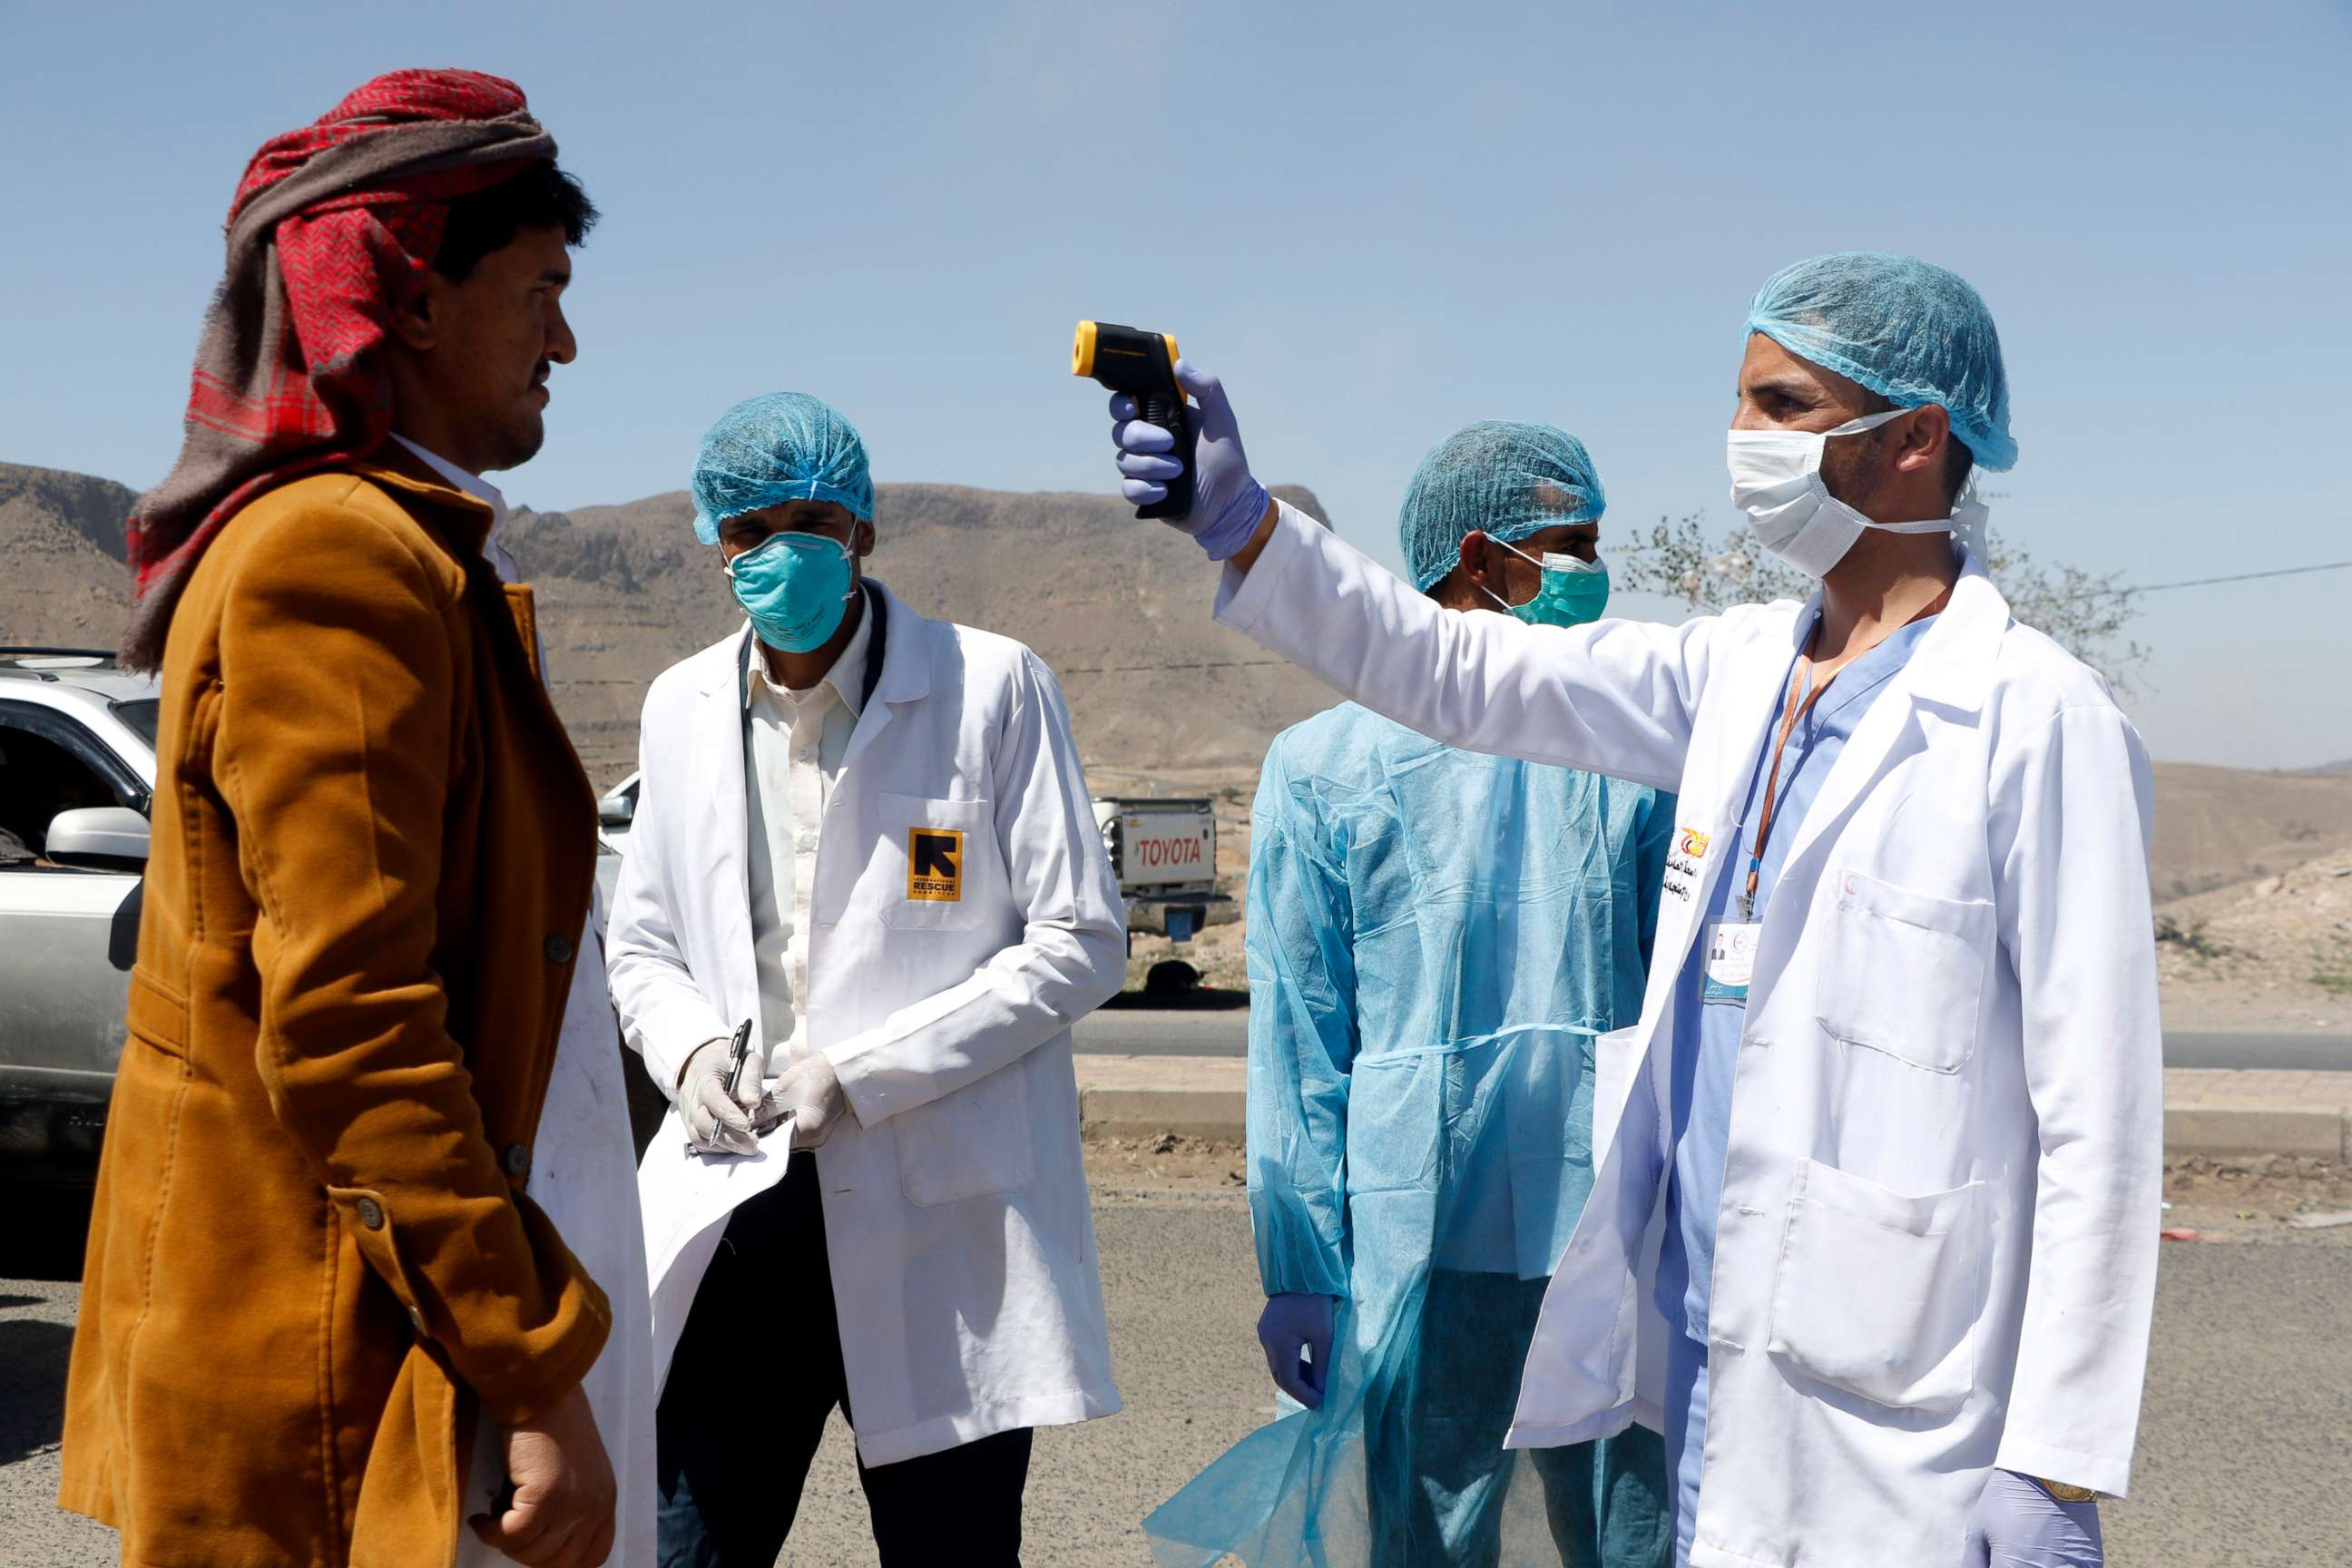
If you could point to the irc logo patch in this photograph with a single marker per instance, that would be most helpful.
(934, 865)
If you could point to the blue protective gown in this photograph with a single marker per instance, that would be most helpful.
(1435, 939)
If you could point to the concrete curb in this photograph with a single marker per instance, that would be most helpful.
(2207, 1111)
(1139, 1096)
(2221, 1111)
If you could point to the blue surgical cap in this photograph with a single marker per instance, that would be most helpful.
(1505, 480)
(1907, 329)
(786, 445)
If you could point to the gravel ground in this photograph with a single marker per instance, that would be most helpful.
(1181, 1281)
(41, 1243)
(2242, 1456)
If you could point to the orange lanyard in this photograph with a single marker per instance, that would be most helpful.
(1794, 710)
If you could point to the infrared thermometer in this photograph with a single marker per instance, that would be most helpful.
(1143, 365)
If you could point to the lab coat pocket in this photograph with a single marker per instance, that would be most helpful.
(1876, 1292)
(933, 862)
(966, 1144)
(1903, 972)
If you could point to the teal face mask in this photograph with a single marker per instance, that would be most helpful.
(796, 587)
(1573, 592)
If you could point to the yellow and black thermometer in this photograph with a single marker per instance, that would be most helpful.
(1143, 365)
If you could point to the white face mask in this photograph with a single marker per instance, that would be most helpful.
(1776, 478)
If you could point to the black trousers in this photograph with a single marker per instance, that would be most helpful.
(757, 1373)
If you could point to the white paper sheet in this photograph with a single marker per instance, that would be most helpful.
(686, 1196)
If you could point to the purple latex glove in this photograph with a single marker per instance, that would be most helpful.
(2016, 1524)
(1227, 504)
(1296, 1329)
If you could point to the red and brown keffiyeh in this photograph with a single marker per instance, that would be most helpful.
(332, 224)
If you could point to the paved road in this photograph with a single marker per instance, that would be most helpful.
(2299, 1052)
(1161, 1032)
(1157, 1032)
(2242, 1455)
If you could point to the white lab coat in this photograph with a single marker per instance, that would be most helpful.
(962, 1245)
(1935, 1250)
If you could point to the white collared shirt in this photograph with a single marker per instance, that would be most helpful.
(474, 485)
(494, 549)
(797, 742)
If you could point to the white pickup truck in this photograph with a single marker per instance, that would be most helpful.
(1165, 853)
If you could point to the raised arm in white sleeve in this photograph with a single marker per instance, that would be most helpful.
(2072, 807)
(1615, 698)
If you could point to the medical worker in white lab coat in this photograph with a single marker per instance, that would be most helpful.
(863, 848)
(1895, 1101)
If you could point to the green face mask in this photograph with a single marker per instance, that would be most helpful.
(1573, 592)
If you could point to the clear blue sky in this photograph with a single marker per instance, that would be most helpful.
(1377, 222)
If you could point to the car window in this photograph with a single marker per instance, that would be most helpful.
(47, 764)
(143, 715)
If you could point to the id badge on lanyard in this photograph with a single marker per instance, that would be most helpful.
(1731, 944)
(1730, 960)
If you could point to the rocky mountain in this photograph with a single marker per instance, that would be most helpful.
(1159, 693)
(1118, 608)
(61, 577)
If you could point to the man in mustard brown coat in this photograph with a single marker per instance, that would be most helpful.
(315, 1261)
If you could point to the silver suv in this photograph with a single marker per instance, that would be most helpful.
(76, 776)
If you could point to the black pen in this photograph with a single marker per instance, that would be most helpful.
(739, 1056)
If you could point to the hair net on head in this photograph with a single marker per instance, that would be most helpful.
(1907, 329)
(1504, 478)
(786, 445)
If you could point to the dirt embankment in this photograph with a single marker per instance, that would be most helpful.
(2274, 953)
(2220, 828)
(2267, 951)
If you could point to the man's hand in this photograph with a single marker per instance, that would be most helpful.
(717, 1121)
(1229, 508)
(1297, 1329)
(2016, 1524)
(561, 1512)
(809, 1093)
